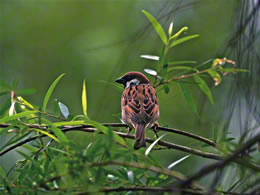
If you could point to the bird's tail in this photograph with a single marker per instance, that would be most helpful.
(139, 136)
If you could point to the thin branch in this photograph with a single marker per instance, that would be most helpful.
(171, 130)
(220, 164)
(149, 189)
(90, 129)
(180, 77)
(164, 171)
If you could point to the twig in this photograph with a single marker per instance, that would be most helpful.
(220, 164)
(180, 77)
(171, 130)
(149, 189)
(90, 129)
(164, 171)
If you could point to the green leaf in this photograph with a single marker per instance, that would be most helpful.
(157, 27)
(49, 92)
(177, 161)
(59, 133)
(179, 41)
(166, 88)
(84, 99)
(105, 130)
(2, 173)
(181, 62)
(5, 106)
(64, 110)
(204, 87)
(4, 85)
(4, 93)
(234, 70)
(16, 116)
(180, 68)
(179, 32)
(148, 150)
(30, 148)
(161, 59)
(165, 72)
(215, 76)
(188, 97)
(67, 123)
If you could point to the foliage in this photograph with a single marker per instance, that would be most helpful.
(108, 163)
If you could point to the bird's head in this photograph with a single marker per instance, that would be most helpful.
(133, 78)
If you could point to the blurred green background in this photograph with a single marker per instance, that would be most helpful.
(100, 41)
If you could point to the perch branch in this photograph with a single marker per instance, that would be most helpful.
(90, 129)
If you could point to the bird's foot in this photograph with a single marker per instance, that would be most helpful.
(129, 130)
(156, 125)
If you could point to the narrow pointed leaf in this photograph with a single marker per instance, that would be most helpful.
(84, 99)
(49, 92)
(150, 57)
(148, 150)
(170, 29)
(179, 32)
(12, 107)
(215, 76)
(180, 68)
(24, 102)
(150, 72)
(2, 173)
(234, 70)
(181, 62)
(130, 175)
(178, 161)
(59, 133)
(204, 87)
(166, 88)
(67, 123)
(188, 97)
(105, 130)
(16, 116)
(184, 39)
(157, 27)
(64, 110)
(47, 133)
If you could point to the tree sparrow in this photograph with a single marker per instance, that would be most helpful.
(139, 105)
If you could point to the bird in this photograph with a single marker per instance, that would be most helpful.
(139, 105)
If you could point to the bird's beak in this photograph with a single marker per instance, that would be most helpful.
(120, 80)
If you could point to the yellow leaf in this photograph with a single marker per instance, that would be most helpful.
(84, 99)
(46, 133)
(23, 101)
